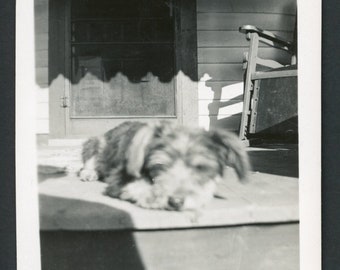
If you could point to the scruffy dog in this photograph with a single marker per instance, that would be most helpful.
(161, 165)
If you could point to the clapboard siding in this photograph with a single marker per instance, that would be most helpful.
(221, 48)
(41, 33)
(220, 107)
(229, 122)
(42, 95)
(41, 63)
(220, 71)
(232, 21)
(42, 76)
(233, 55)
(41, 26)
(41, 41)
(42, 110)
(233, 38)
(41, 58)
(221, 90)
(259, 6)
(41, 11)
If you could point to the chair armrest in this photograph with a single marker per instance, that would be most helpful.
(245, 29)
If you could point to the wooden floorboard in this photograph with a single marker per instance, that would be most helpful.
(264, 247)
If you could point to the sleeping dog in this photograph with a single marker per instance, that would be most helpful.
(162, 165)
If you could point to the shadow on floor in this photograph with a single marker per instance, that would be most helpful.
(89, 250)
(81, 247)
(48, 171)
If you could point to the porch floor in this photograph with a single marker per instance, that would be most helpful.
(271, 196)
(249, 227)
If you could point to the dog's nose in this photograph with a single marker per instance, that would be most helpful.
(176, 202)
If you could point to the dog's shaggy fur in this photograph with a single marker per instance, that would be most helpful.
(161, 165)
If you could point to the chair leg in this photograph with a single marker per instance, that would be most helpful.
(248, 85)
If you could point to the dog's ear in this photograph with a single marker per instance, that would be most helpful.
(138, 148)
(136, 152)
(231, 151)
(163, 128)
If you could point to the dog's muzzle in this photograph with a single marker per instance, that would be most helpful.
(176, 203)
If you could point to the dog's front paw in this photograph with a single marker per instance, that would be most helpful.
(87, 175)
(139, 192)
(152, 202)
(135, 191)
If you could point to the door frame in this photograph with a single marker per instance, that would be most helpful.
(186, 85)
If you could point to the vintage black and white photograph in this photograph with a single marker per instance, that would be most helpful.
(167, 134)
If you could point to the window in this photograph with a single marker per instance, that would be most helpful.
(123, 58)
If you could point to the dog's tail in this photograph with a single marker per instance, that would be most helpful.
(232, 152)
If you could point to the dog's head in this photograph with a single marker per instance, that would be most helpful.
(184, 164)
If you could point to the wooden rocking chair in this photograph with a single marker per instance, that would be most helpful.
(270, 89)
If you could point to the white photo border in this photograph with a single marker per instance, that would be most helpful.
(309, 105)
